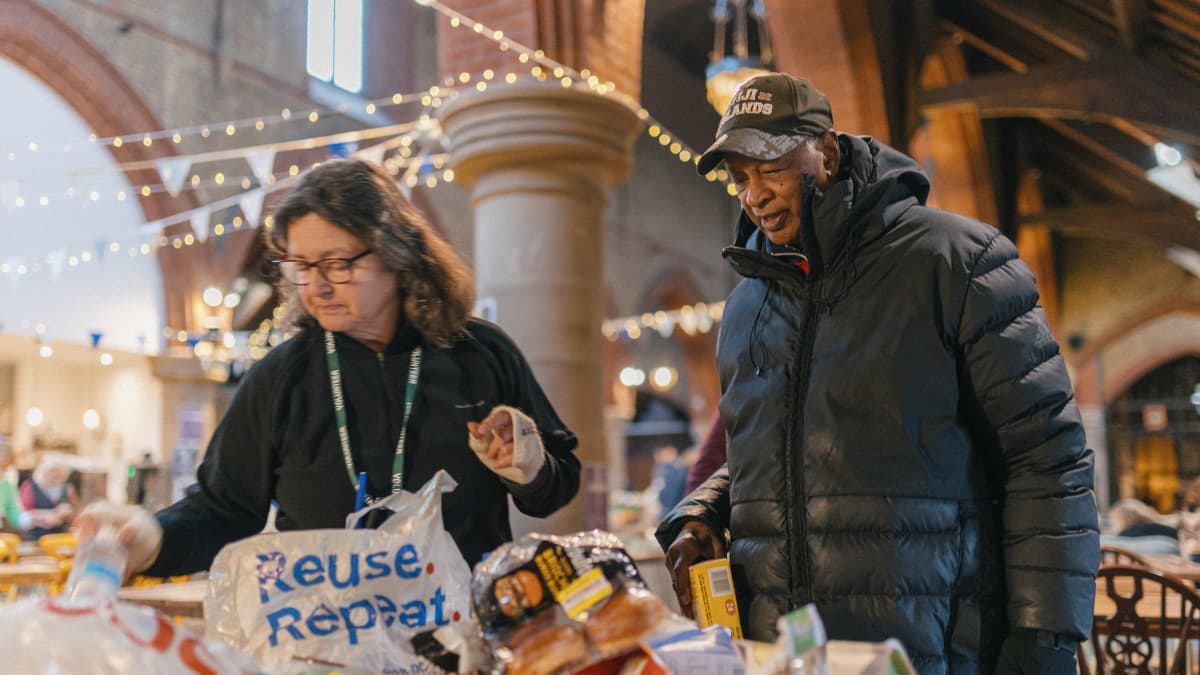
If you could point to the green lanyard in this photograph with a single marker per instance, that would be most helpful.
(339, 409)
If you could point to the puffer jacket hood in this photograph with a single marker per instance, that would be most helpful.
(904, 450)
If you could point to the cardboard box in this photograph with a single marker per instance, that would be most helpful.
(713, 599)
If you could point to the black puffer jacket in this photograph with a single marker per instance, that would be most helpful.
(904, 449)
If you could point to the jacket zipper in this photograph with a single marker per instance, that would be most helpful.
(799, 396)
(796, 442)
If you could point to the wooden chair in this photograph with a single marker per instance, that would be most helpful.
(62, 546)
(11, 543)
(1115, 555)
(1144, 623)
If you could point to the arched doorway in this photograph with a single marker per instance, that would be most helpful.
(1154, 434)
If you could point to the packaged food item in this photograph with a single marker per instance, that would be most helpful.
(713, 599)
(803, 635)
(799, 648)
(550, 604)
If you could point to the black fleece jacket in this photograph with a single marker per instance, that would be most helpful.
(279, 441)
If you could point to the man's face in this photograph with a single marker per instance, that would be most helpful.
(771, 190)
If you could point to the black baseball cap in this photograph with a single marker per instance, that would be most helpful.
(769, 116)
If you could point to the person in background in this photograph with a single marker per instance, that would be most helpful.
(904, 450)
(1135, 518)
(13, 517)
(381, 309)
(670, 476)
(709, 457)
(48, 497)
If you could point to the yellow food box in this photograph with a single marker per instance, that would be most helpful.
(713, 600)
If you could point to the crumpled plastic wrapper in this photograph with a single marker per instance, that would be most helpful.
(44, 635)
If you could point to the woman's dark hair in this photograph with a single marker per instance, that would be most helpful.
(435, 285)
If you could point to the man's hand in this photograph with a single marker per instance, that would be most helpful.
(695, 543)
(1036, 652)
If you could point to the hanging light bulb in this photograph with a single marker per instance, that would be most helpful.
(213, 296)
(34, 417)
(91, 418)
(725, 73)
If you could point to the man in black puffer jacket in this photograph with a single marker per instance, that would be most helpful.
(904, 448)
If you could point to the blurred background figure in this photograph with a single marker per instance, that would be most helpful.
(1135, 518)
(48, 496)
(12, 516)
(1136, 526)
(670, 475)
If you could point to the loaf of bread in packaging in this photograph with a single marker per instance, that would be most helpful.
(625, 619)
(546, 649)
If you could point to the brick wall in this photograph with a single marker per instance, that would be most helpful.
(603, 36)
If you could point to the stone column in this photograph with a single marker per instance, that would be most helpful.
(539, 158)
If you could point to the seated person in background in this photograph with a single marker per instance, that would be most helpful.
(1135, 518)
(12, 516)
(48, 497)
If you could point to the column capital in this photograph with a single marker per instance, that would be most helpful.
(541, 126)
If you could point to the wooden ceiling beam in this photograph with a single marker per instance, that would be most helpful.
(1132, 18)
(1104, 151)
(1080, 168)
(1108, 88)
(1165, 224)
(995, 31)
(965, 36)
(1050, 24)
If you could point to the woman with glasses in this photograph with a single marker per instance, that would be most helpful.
(387, 377)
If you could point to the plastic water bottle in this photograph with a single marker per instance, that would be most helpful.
(98, 569)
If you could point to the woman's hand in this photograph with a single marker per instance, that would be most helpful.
(497, 431)
(137, 531)
(508, 443)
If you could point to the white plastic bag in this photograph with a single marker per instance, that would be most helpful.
(42, 635)
(352, 597)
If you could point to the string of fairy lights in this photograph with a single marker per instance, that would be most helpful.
(413, 164)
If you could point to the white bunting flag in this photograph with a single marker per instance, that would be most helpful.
(262, 164)
(151, 229)
(251, 203)
(373, 154)
(173, 171)
(200, 223)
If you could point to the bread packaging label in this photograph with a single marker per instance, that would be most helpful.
(713, 600)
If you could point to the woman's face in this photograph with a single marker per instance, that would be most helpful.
(367, 305)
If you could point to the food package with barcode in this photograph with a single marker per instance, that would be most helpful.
(350, 597)
(713, 599)
(554, 604)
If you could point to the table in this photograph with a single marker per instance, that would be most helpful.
(28, 548)
(1176, 566)
(24, 573)
(184, 599)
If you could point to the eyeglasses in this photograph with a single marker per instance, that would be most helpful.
(333, 270)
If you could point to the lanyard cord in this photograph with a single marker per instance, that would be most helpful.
(339, 411)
